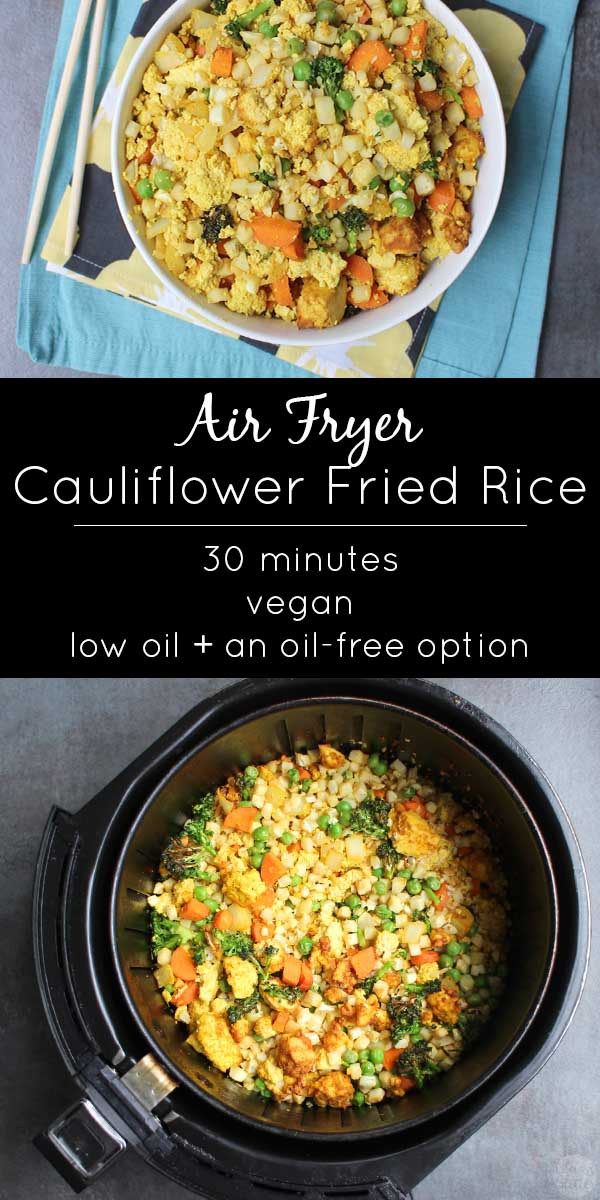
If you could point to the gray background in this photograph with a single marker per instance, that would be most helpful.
(61, 740)
(570, 343)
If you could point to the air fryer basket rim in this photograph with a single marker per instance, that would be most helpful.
(258, 703)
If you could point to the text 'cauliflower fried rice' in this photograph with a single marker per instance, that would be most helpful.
(331, 928)
(305, 160)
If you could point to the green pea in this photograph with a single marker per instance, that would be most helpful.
(256, 857)
(350, 35)
(404, 873)
(454, 948)
(345, 819)
(445, 960)
(413, 887)
(358, 1099)
(323, 821)
(349, 1057)
(433, 882)
(267, 30)
(396, 185)
(403, 206)
(344, 100)
(316, 905)
(286, 166)
(383, 117)
(335, 830)
(375, 182)
(295, 880)
(163, 180)
(200, 893)
(211, 903)
(368, 1067)
(302, 69)
(260, 834)
(382, 910)
(482, 982)
(326, 11)
(380, 888)
(293, 775)
(377, 872)
(144, 188)
(474, 998)
(398, 8)
(363, 1056)
(305, 785)
(287, 838)
(454, 974)
(410, 791)
(305, 946)
(377, 1053)
(381, 769)
(389, 926)
(353, 902)
(344, 806)
(251, 774)
(296, 45)
(374, 761)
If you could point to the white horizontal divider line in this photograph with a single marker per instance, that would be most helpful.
(288, 525)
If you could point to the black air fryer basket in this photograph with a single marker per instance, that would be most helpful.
(145, 1088)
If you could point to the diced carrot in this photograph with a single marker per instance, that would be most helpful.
(442, 197)
(262, 929)
(146, 157)
(377, 298)
(194, 910)
(134, 193)
(358, 268)
(463, 851)
(471, 102)
(426, 956)
(221, 251)
(200, 50)
(303, 773)
(223, 920)
(379, 792)
(432, 101)
(275, 231)
(406, 1082)
(296, 249)
(333, 203)
(221, 62)
(271, 869)
(241, 818)
(292, 969)
(414, 48)
(188, 994)
(306, 977)
(365, 14)
(390, 1057)
(182, 964)
(443, 895)
(370, 56)
(281, 291)
(363, 962)
(281, 1021)
(416, 805)
(265, 900)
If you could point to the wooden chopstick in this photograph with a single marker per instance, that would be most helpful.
(54, 129)
(85, 125)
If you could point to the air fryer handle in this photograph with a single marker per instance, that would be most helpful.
(80, 1144)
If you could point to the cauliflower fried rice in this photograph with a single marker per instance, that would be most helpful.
(305, 160)
(330, 929)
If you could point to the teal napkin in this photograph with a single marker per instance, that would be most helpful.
(62, 323)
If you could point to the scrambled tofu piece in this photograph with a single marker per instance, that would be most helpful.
(326, 267)
(335, 1040)
(245, 302)
(298, 131)
(404, 235)
(295, 1054)
(402, 278)
(227, 797)
(462, 918)
(386, 943)
(212, 1033)
(273, 1077)
(240, 1029)
(413, 834)
(319, 307)
(334, 1089)
(243, 887)
(253, 111)
(445, 1006)
(171, 54)
(242, 976)
(183, 891)
(343, 976)
(335, 934)
(209, 180)
(427, 972)
(264, 1028)
(331, 758)
(467, 147)
(208, 980)
(457, 227)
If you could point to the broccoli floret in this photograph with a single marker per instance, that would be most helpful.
(353, 219)
(427, 66)
(241, 1007)
(431, 165)
(470, 1027)
(267, 180)
(185, 861)
(371, 817)
(405, 1016)
(168, 935)
(282, 991)
(238, 944)
(415, 1061)
(219, 6)
(329, 72)
(351, 311)
(390, 858)
(202, 812)
(319, 234)
(214, 221)
(244, 20)
(424, 989)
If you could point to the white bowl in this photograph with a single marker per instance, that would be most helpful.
(438, 276)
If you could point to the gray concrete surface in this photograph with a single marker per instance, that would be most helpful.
(61, 740)
(570, 344)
